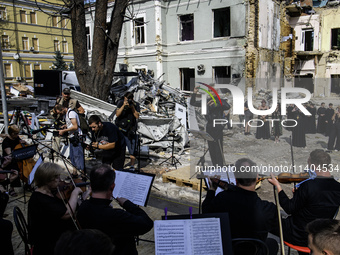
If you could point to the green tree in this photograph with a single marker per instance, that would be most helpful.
(59, 64)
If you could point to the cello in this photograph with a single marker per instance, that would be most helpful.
(25, 165)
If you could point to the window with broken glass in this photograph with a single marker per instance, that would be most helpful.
(335, 39)
(222, 22)
(186, 27)
(222, 74)
(139, 28)
(5, 42)
(308, 39)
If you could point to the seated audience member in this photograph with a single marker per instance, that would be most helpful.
(84, 242)
(249, 216)
(120, 225)
(49, 216)
(315, 198)
(324, 237)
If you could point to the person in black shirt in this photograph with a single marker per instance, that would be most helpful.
(328, 116)
(127, 115)
(120, 225)
(48, 216)
(214, 111)
(109, 142)
(8, 145)
(334, 134)
(249, 216)
(321, 127)
(315, 198)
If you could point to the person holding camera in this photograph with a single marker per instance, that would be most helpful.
(127, 114)
(72, 128)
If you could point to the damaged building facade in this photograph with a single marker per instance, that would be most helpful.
(316, 52)
(223, 41)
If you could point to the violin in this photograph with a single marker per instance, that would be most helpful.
(65, 188)
(219, 183)
(288, 177)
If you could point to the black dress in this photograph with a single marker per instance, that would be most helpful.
(321, 128)
(334, 135)
(290, 115)
(329, 114)
(264, 130)
(277, 128)
(310, 121)
(298, 132)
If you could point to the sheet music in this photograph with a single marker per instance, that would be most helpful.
(194, 236)
(132, 186)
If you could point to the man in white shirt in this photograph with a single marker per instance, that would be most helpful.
(74, 134)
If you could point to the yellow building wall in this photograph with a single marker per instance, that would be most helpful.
(330, 19)
(48, 34)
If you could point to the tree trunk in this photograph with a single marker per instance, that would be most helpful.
(95, 80)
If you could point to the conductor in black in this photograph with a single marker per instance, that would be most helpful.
(127, 114)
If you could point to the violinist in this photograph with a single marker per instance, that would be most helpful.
(249, 216)
(8, 145)
(316, 198)
(120, 225)
(49, 216)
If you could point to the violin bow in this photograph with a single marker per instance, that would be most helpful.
(292, 156)
(276, 195)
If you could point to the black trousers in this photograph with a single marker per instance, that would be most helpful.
(334, 135)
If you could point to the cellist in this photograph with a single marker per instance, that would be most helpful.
(48, 215)
(316, 198)
(8, 145)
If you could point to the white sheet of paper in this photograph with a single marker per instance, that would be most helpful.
(31, 176)
(134, 187)
(194, 236)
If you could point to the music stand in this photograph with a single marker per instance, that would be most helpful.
(173, 160)
(206, 137)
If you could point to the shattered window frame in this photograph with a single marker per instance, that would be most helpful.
(5, 42)
(139, 30)
(335, 83)
(221, 22)
(308, 39)
(186, 27)
(88, 38)
(3, 13)
(222, 74)
(335, 39)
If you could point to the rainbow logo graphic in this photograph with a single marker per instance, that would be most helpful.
(209, 93)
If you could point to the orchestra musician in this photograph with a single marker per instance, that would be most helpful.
(48, 215)
(120, 225)
(109, 142)
(318, 197)
(324, 237)
(249, 216)
(72, 127)
(8, 145)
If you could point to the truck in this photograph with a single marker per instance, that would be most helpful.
(50, 83)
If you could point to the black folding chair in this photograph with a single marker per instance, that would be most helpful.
(249, 246)
(22, 228)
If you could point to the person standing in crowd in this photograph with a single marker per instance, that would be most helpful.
(298, 132)
(249, 216)
(277, 128)
(214, 111)
(72, 128)
(263, 131)
(120, 225)
(321, 127)
(315, 198)
(310, 119)
(328, 116)
(335, 132)
(127, 115)
(8, 145)
(248, 115)
(108, 141)
(324, 237)
(48, 215)
(290, 116)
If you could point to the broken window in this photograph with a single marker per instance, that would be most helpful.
(222, 22)
(3, 15)
(5, 42)
(88, 38)
(335, 39)
(139, 26)
(335, 83)
(186, 27)
(222, 74)
(308, 39)
(186, 74)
